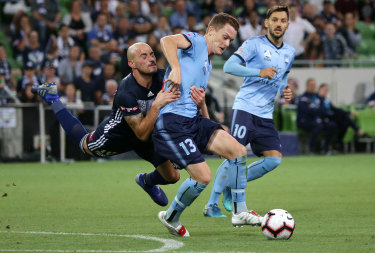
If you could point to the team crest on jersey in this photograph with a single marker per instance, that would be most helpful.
(267, 55)
(286, 59)
(129, 109)
(205, 67)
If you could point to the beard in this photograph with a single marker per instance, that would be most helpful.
(276, 37)
(147, 71)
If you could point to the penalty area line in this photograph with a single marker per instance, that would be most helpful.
(168, 244)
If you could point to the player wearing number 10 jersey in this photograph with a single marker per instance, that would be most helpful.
(267, 63)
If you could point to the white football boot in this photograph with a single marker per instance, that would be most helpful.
(248, 217)
(180, 230)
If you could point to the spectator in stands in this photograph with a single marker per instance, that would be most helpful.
(110, 91)
(191, 23)
(179, 16)
(298, 28)
(21, 35)
(336, 117)
(29, 76)
(52, 54)
(319, 25)
(101, 36)
(27, 96)
(366, 9)
(70, 96)
(328, 13)
(70, 68)
(46, 17)
(103, 9)
(140, 24)
(222, 6)
(64, 42)
(250, 27)
(34, 52)
(86, 83)
(334, 45)
(49, 75)
(109, 73)
(155, 13)
(309, 12)
(248, 7)
(163, 29)
(346, 6)
(123, 34)
(314, 49)
(119, 13)
(95, 57)
(351, 34)
(79, 23)
(309, 118)
(6, 70)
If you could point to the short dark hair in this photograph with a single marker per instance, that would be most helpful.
(221, 19)
(277, 8)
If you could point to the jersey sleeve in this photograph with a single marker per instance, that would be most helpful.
(128, 104)
(195, 40)
(247, 50)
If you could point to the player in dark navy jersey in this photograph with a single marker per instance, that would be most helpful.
(136, 106)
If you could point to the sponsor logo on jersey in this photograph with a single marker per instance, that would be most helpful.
(90, 137)
(150, 94)
(129, 109)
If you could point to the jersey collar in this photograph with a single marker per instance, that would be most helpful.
(282, 44)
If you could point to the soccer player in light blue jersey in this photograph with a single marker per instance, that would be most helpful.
(181, 134)
(267, 63)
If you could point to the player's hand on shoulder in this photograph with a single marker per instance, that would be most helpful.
(198, 96)
(288, 94)
(166, 96)
(174, 79)
(268, 72)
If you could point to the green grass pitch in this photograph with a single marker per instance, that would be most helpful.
(97, 207)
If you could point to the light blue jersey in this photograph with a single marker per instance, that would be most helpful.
(195, 71)
(257, 94)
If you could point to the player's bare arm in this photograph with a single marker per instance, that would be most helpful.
(288, 94)
(268, 72)
(169, 45)
(143, 126)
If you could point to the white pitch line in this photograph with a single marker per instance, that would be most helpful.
(169, 244)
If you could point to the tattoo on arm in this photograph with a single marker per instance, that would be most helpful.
(134, 120)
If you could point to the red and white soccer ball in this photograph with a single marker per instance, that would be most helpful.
(278, 224)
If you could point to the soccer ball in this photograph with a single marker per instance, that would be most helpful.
(278, 224)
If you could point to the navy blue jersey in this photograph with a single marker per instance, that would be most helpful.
(114, 135)
(131, 99)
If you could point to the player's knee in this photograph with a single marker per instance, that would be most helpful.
(203, 179)
(271, 162)
(173, 177)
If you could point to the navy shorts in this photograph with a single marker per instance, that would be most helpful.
(102, 145)
(259, 132)
(182, 140)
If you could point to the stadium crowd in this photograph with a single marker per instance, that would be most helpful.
(81, 44)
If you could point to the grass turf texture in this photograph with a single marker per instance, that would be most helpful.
(331, 198)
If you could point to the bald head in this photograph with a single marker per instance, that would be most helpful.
(141, 59)
(132, 50)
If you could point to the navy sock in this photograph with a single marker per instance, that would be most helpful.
(154, 178)
(71, 124)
